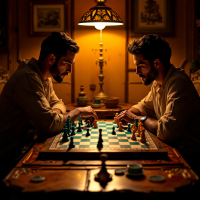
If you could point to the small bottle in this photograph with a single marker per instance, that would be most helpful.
(82, 99)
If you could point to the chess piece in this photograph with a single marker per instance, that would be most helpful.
(133, 137)
(95, 124)
(88, 133)
(73, 131)
(139, 129)
(65, 136)
(129, 127)
(79, 127)
(100, 141)
(88, 124)
(71, 144)
(115, 121)
(80, 120)
(143, 138)
(120, 127)
(113, 132)
(68, 123)
(136, 122)
(73, 124)
(103, 176)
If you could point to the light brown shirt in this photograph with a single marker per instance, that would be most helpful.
(27, 99)
(176, 105)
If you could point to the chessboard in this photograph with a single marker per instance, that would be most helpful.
(118, 146)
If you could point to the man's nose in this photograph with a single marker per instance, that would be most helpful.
(69, 69)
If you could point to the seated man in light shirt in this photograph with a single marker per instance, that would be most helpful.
(171, 110)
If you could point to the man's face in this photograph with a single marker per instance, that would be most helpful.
(63, 66)
(143, 68)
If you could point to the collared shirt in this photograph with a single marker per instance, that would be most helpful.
(176, 105)
(28, 100)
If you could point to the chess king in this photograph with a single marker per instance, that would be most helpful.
(28, 100)
(171, 110)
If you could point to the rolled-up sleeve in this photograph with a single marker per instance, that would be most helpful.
(145, 106)
(175, 118)
(29, 95)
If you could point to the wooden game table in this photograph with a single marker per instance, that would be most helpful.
(74, 178)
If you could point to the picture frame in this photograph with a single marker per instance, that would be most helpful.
(48, 16)
(152, 17)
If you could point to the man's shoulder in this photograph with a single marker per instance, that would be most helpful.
(26, 68)
(179, 75)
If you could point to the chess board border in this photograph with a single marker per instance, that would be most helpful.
(93, 153)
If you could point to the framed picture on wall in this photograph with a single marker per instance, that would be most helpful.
(48, 16)
(152, 17)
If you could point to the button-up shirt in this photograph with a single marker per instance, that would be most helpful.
(176, 105)
(27, 100)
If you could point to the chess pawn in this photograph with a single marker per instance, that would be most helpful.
(115, 120)
(133, 126)
(133, 137)
(139, 130)
(143, 138)
(120, 126)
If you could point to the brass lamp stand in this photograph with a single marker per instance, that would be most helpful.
(101, 95)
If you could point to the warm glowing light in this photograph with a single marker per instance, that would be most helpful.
(100, 26)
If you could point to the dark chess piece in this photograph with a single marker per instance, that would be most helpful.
(88, 124)
(88, 133)
(79, 127)
(71, 144)
(113, 132)
(73, 131)
(100, 141)
(65, 135)
(103, 176)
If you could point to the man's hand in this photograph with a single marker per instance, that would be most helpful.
(87, 112)
(127, 116)
(84, 112)
(57, 110)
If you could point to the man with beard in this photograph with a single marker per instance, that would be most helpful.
(28, 101)
(171, 110)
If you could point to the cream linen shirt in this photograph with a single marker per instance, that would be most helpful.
(176, 105)
(27, 99)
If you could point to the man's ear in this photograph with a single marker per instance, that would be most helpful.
(51, 59)
(157, 63)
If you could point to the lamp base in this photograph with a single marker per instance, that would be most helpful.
(102, 96)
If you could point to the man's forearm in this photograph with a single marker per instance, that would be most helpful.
(135, 111)
(150, 124)
(74, 115)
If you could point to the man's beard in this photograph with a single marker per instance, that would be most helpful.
(56, 73)
(151, 76)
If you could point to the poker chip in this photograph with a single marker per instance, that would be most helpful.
(119, 172)
(157, 178)
(38, 178)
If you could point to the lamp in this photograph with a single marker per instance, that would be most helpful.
(100, 16)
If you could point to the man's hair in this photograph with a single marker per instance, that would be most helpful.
(57, 43)
(152, 47)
